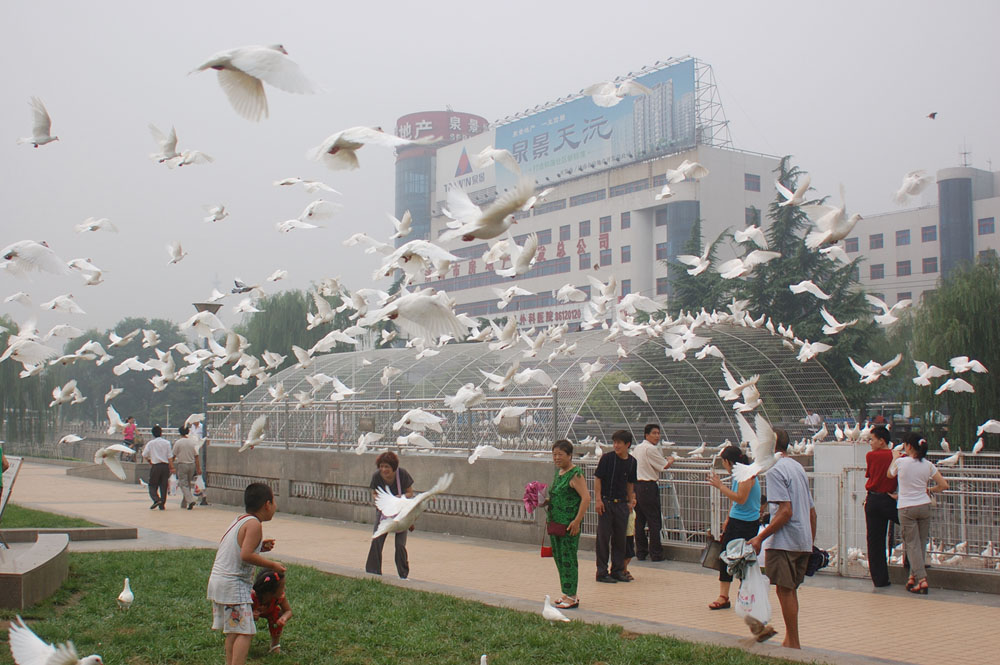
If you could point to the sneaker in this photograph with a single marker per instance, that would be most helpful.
(606, 578)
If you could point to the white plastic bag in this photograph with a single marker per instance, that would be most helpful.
(199, 485)
(752, 600)
(172, 484)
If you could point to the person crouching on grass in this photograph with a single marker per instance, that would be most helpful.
(269, 603)
(231, 581)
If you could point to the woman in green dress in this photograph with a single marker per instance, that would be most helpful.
(567, 504)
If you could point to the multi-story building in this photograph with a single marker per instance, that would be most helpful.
(906, 252)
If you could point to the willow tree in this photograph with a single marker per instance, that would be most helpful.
(962, 318)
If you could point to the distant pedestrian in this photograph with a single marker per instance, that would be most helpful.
(650, 462)
(743, 520)
(880, 504)
(792, 531)
(128, 436)
(156, 452)
(186, 464)
(914, 471)
(395, 480)
(568, 501)
(614, 497)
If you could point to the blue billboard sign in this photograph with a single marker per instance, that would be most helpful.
(581, 136)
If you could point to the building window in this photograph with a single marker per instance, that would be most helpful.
(875, 241)
(987, 255)
(876, 271)
(661, 285)
(589, 197)
(626, 220)
(928, 233)
(564, 232)
(626, 287)
(605, 224)
(585, 228)
(626, 253)
(930, 264)
(751, 182)
(585, 261)
(986, 226)
(551, 206)
(752, 216)
(902, 237)
(605, 257)
(902, 268)
(904, 295)
(634, 186)
(661, 250)
(851, 244)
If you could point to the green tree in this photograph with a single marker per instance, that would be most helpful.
(706, 289)
(24, 412)
(962, 318)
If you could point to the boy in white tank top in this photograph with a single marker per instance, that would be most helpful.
(231, 580)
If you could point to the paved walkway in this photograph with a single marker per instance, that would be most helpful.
(842, 621)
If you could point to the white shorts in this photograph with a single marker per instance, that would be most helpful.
(234, 618)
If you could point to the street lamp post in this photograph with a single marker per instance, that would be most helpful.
(211, 307)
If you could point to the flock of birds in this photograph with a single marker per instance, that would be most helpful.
(937, 555)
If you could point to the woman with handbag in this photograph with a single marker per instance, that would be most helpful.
(567, 504)
(744, 516)
(398, 482)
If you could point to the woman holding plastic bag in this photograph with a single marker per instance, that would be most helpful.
(752, 602)
(567, 504)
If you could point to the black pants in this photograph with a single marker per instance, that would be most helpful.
(159, 476)
(735, 528)
(374, 563)
(880, 510)
(611, 527)
(647, 512)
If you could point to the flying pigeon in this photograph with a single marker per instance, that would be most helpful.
(400, 512)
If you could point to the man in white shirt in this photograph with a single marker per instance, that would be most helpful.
(650, 462)
(157, 453)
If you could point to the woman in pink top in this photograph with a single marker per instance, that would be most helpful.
(914, 503)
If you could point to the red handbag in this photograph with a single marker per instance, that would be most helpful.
(556, 529)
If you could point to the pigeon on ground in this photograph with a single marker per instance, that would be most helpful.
(29, 649)
(400, 512)
(551, 613)
(126, 597)
(41, 126)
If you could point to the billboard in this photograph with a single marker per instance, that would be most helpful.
(447, 126)
(580, 136)
(455, 169)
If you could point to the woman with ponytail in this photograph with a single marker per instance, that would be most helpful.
(914, 472)
(744, 516)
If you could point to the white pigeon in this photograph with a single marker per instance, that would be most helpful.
(115, 424)
(569, 293)
(167, 144)
(761, 441)
(832, 224)
(751, 234)
(25, 256)
(699, 264)
(70, 438)
(835, 253)
(796, 198)
(484, 450)
(810, 350)
(741, 266)
(807, 286)
(551, 613)
(470, 222)
(63, 303)
(422, 314)
(833, 326)
(419, 420)
(509, 412)
(94, 224)
(634, 387)
(522, 257)
(490, 155)
(388, 374)
(962, 364)
(508, 294)
(991, 426)
(126, 597)
(243, 70)
(176, 252)
(29, 649)
(468, 395)
(608, 93)
(41, 126)
(665, 193)
(194, 157)
(400, 512)
(590, 369)
(955, 386)
(415, 439)
(23, 298)
(338, 151)
(927, 372)
(257, 431)
(92, 275)
(687, 169)
(536, 375)
(63, 330)
(311, 186)
(108, 456)
(888, 314)
(914, 182)
(216, 213)
(536, 198)
(414, 258)
(978, 446)
(64, 394)
(403, 226)
(873, 371)
(366, 440)
(951, 461)
(945, 446)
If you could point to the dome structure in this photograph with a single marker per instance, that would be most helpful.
(682, 396)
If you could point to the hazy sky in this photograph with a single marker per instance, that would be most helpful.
(844, 87)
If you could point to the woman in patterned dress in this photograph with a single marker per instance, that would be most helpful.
(567, 504)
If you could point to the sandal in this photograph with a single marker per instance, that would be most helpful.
(275, 649)
(565, 603)
(910, 583)
(716, 605)
(920, 588)
(629, 576)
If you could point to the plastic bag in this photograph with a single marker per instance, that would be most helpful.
(172, 484)
(199, 485)
(752, 601)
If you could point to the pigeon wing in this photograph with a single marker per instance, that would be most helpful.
(274, 67)
(245, 93)
(42, 122)
(388, 504)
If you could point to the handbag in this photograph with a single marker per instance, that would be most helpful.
(556, 529)
(710, 555)
(546, 552)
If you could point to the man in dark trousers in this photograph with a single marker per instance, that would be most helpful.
(614, 494)
(649, 464)
(157, 453)
(880, 504)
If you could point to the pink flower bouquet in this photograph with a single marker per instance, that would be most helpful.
(534, 495)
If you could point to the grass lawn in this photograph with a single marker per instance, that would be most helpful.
(337, 620)
(16, 517)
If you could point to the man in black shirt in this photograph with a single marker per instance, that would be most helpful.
(614, 494)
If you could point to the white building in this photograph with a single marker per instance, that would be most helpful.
(906, 252)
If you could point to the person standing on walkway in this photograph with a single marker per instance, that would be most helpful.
(185, 459)
(914, 471)
(156, 452)
(569, 499)
(650, 462)
(744, 515)
(395, 480)
(792, 530)
(128, 436)
(880, 504)
(614, 497)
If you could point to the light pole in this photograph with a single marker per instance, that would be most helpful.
(212, 308)
(166, 423)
